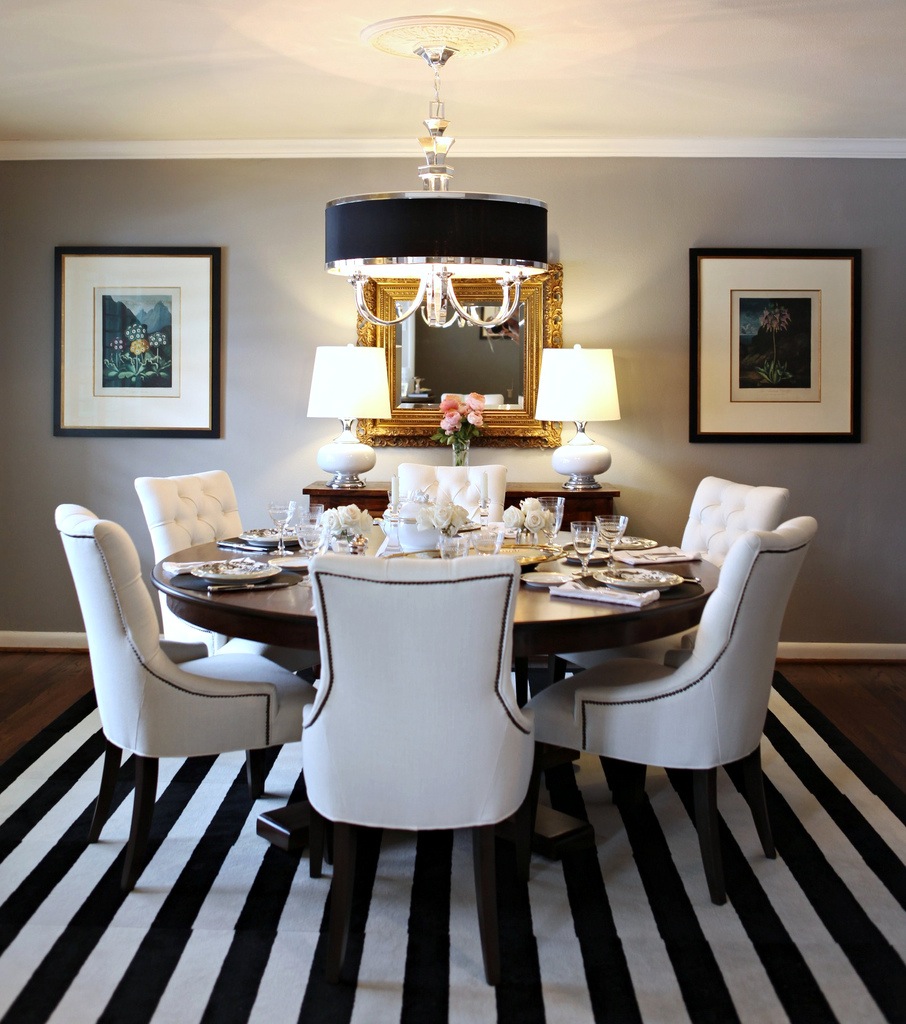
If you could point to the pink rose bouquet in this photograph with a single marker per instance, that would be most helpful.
(460, 418)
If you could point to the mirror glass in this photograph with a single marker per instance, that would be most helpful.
(424, 363)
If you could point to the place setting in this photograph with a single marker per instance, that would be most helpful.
(230, 575)
(602, 577)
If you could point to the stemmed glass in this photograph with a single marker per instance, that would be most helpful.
(585, 540)
(611, 529)
(308, 534)
(553, 507)
(281, 512)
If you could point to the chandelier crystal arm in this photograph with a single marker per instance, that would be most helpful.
(509, 303)
(359, 280)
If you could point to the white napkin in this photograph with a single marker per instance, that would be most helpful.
(608, 595)
(655, 556)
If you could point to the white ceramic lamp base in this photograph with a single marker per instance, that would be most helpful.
(346, 457)
(581, 460)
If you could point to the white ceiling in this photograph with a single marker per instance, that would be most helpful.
(285, 77)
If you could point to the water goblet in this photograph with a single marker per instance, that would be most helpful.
(309, 537)
(585, 540)
(281, 512)
(610, 530)
(313, 514)
(553, 508)
(455, 546)
(488, 539)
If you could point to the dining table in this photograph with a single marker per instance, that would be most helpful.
(544, 627)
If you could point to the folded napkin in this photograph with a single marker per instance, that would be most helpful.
(608, 595)
(655, 556)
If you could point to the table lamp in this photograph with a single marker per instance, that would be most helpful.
(348, 383)
(578, 384)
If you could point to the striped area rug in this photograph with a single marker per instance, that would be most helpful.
(223, 928)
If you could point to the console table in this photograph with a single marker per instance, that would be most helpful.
(374, 497)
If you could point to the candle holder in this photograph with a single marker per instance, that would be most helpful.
(483, 512)
(392, 520)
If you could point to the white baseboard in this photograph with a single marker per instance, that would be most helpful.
(786, 651)
(12, 640)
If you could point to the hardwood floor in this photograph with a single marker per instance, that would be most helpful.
(865, 700)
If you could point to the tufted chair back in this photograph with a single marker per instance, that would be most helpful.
(722, 511)
(459, 484)
(181, 511)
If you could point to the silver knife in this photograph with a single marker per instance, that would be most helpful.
(221, 588)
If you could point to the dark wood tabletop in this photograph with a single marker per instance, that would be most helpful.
(543, 625)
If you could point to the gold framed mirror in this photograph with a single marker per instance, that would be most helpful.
(424, 363)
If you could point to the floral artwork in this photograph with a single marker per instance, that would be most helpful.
(775, 341)
(137, 339)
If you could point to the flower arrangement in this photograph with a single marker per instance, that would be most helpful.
(449, 519)
(529, 516)
(346, 521)
(460, 419)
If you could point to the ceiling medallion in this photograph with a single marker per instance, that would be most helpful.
(469, 37)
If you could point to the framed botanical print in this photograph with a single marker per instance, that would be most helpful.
(775, 345)
(137, 334)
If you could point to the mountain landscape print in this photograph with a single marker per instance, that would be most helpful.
(137, 341)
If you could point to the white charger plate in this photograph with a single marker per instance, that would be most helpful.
(638, 579)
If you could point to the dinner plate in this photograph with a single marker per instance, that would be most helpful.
(267, 538)
(295, 562)
(545, 579)
(242, 569)
(634, 544)
(638, 579)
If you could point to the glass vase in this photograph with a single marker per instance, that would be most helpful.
(460, 452)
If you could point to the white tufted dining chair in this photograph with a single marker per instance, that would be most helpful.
(708, 711)
(200, 508)
(721, 512)
(411, 742)
(164, 700)
(459, 484)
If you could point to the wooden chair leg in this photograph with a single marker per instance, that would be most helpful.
(483, 857)
(317, 827)
(344, 842)
(524, 818)
(112, 755)
(625, 779)
(254, 771)
(142, 812)
(704, 796)
(753, 787)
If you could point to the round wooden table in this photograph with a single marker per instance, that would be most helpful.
(543, 627)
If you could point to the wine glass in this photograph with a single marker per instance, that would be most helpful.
(487, 539)
(611, 529)
(281, 512)
(553, 507)
(585, 540)
(309, 537)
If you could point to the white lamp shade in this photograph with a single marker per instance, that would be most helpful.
(348, 382)
(577, 384)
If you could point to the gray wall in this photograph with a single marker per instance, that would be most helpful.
(621, 227)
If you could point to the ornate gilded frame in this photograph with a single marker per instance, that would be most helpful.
(504, 428)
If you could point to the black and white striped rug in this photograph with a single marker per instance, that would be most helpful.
(223, 928)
